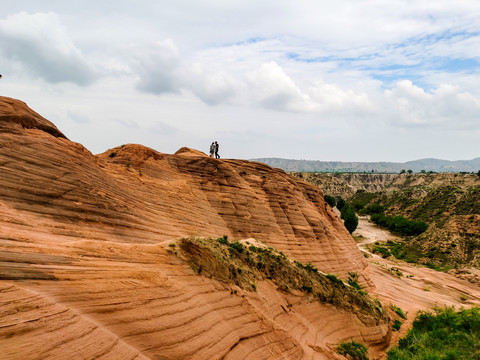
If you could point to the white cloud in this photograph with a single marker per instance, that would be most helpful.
(41, 45)
(212, 87)
(332, 98)
(215, 67)
(272, 88)
(160, 68)
(446, 106)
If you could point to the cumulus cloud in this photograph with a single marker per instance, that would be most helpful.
(332, 98)
(446, 106)
(41, 45)
(160, 69)
(272, 88)
(212, 87)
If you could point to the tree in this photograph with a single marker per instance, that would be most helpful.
(478, 173)
(374, 209)
(330, 200)
(409, 171)
(340, 203)
(403, 171)
(350, 220)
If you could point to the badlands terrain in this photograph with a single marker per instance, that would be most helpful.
(101, 257)
(449, 203)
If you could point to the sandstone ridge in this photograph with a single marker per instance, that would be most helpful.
(15, 114)
(86, 270)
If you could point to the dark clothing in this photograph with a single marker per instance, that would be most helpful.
(216, 151)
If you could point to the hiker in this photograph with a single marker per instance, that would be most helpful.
(212, 149)
(216, 151)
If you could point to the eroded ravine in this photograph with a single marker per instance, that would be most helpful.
(418, 287)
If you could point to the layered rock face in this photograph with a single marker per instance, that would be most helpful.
(348, 184)
(85, 270)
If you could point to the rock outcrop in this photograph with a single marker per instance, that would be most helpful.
(85, 266)
(348, 184)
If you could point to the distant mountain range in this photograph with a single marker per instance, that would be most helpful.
(388, 167)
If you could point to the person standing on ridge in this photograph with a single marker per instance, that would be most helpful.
(212, 149)
(216, 151)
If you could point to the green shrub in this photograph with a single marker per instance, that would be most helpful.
(357, 205)
(223, 241)
(310, 268)
(330, 200)
(374, 209)
(335, 280)
(382, 251)
(350, 218)
(355, 350)
(237, 246)
(399, 224)
(397, 324)
(340, 203)
(441, 334)
(353, 280)
(307, 288)
(398, 311)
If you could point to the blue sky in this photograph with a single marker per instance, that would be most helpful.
(370, 80)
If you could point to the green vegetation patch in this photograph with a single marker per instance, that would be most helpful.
(382, 250)
(353, 350)
(330, 200)
(397, 324)
(245, 266)
(399, 224)
(435, 203)
(361, 199)
(347, 213)
(350, 219)
(398, 311)
(412, 252)
(443, 334)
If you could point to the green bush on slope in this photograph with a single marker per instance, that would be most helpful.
(443, 334)
(353, 350)
(400, 224)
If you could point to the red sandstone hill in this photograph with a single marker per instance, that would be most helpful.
(86, 271)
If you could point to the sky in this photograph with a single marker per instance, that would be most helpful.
(345, 80)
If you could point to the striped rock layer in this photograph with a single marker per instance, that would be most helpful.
(86, 271)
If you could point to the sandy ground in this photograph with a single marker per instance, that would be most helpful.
(371, 233)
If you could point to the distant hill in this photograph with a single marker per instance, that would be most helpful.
(436, 165)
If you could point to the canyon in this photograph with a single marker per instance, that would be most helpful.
(88, 268)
